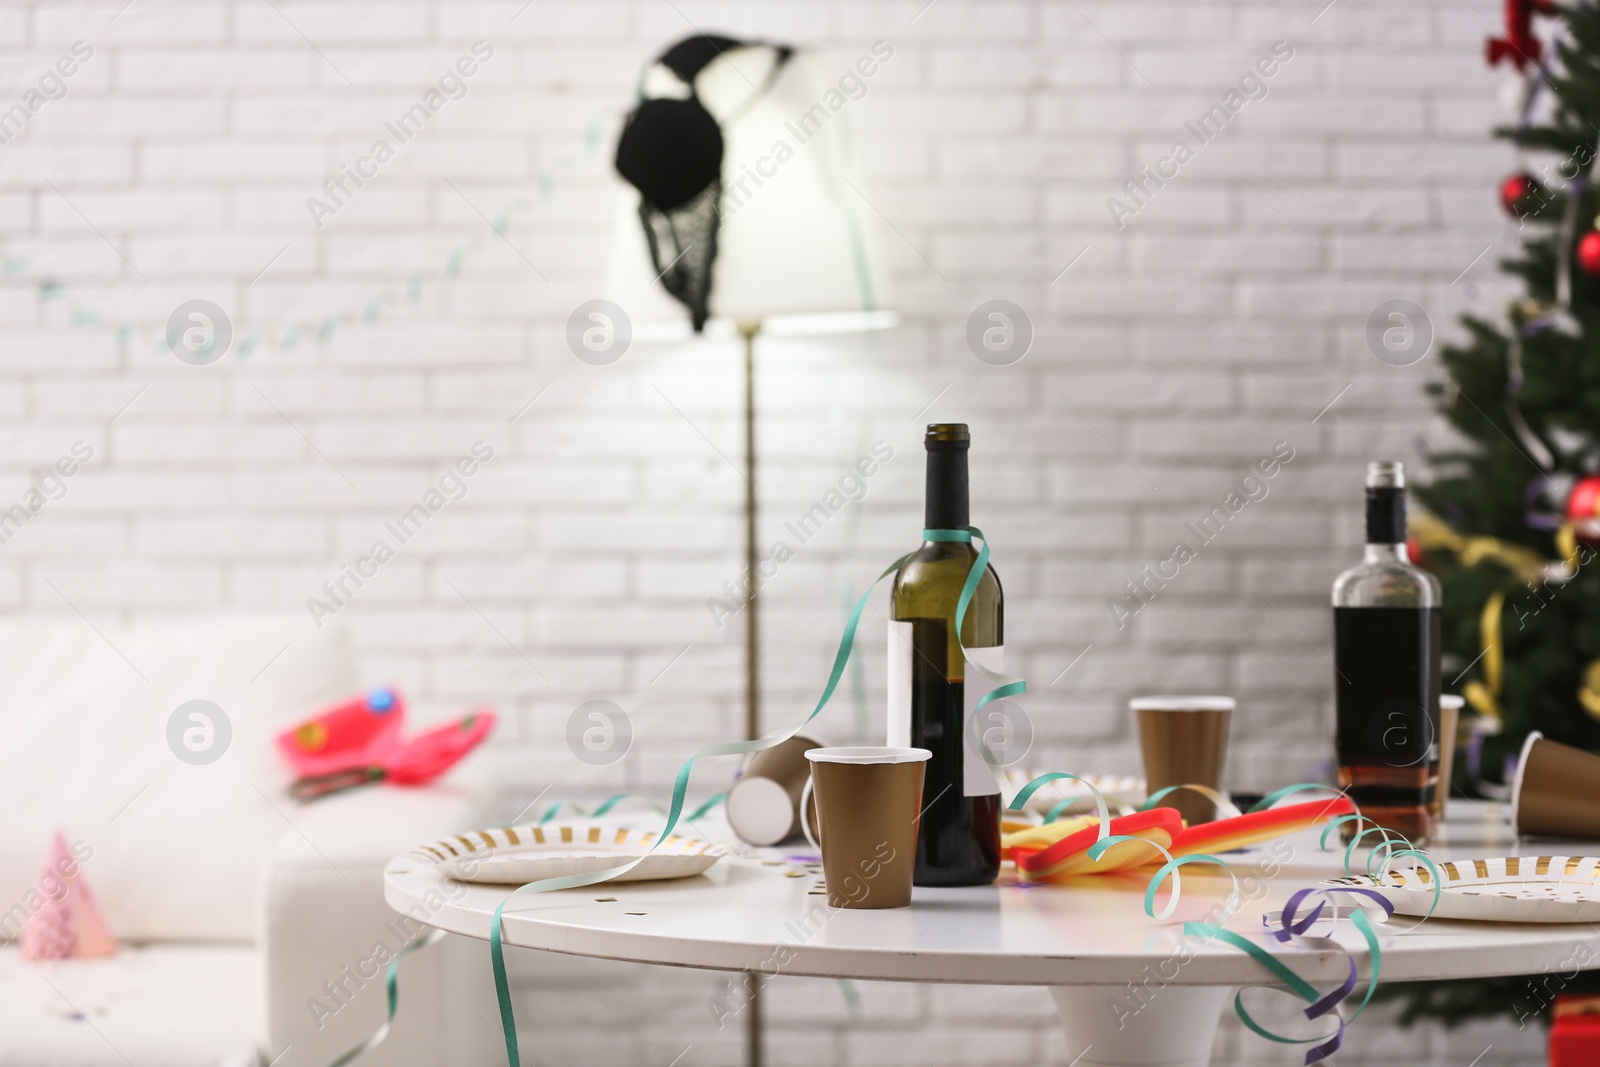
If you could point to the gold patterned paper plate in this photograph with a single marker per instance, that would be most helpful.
(1526, 889)
(514, 855)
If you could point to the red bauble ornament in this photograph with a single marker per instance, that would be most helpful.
(1589, 252)
(1521, 194)
(1583, 506)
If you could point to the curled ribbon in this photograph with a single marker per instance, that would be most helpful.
(610, 802)
(391, 983)
(1293, 925)
(1062, 806)
(1318, 1004)
(1225, 807)
(1105, 840)
(1002, 685)
(1296, 921)
(1171, 867)
(1055, 776)
(1276, 795)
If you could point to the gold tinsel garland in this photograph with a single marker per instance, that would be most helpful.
(1483, 694)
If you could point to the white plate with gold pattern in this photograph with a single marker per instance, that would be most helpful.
(1525, 889)
(515, 855)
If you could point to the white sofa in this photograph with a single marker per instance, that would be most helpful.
(250, 926)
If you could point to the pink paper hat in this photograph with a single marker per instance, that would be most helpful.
(66, 922)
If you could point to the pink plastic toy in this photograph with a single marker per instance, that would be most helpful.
(358, 743)
(349, 736)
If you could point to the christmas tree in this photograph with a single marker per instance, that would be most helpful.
(1510, 526)
(1512, 511)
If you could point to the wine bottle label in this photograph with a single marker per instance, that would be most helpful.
(899, 684)
(978, 778)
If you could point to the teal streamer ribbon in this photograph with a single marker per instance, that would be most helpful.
(728, 747)
(1055, 776)
(605, 806)
(852, 998)
(680, 785)
(1056, 811)
(1003, 685)
(1289, 790)
(1235, 898)
(1318, 1003)
(1390, 848)
(1224, 806)
(391, 984)
(1433, 870)
(610, 802)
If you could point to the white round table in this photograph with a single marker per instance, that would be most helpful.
(1129, 988)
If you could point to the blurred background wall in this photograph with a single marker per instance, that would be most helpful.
(375, 344)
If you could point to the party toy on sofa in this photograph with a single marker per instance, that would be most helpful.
(358, 743)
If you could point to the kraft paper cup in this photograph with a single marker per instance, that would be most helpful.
(1450, 707)
(764, 804)
(869, 806)
(1184, 741)
(1556, 792)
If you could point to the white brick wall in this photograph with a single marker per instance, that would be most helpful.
(1222, 319)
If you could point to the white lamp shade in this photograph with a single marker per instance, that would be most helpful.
(794, 238)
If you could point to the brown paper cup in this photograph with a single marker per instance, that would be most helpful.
(764, 804)
(1556, 792)
(1449, 722)
(869, 805)
(1184, 741)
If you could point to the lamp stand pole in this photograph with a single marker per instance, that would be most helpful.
(752, 616)
(752, 638)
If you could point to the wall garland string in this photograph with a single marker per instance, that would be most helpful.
(318, 328)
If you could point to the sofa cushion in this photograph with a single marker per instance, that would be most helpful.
(159, 1006)
(174, 849)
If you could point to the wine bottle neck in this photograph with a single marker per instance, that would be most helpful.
(1386, 516)
(1395, 552)
(945, 506)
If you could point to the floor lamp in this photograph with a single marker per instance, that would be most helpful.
(749, 330)
(793, 258)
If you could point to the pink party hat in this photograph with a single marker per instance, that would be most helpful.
(66, 922)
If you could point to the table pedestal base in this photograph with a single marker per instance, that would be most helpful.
(1110, 1026)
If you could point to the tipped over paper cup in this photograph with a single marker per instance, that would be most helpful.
(1556, 792)
(764, 804)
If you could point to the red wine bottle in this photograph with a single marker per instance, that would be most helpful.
(930, 704)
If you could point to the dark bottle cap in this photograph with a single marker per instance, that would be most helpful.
(946, 505)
